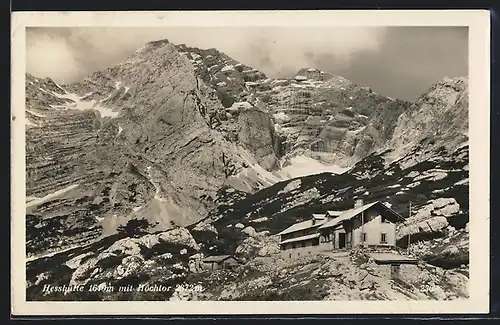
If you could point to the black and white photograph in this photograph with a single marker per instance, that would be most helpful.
(271, 162)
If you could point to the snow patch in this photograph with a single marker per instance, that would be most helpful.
(36, 114)
(86, 95)
(37, 201)
(304, 165)
(293, 185)
(239, 105)
(259, 219)
(227, 68)
(82, 105)
(281, 116)
(251, 83)
(357, 130)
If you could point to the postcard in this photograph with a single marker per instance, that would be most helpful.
(250, 162)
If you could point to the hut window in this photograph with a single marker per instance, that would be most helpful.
(383, 238)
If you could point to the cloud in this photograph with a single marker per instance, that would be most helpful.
(408, 61)
(68, 53)
(51, 56)
(401, 62)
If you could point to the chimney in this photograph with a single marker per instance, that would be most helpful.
(358, 203)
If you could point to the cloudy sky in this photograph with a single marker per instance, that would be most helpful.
(400, 62)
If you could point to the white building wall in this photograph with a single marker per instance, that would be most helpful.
(373, 229)
(301, 251)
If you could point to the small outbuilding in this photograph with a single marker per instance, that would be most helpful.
(393, 261)
(220, 262)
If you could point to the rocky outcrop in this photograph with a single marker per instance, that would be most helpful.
(325, 278)
(429, 220)
(439, 118)
(126, 256)
(257, 134)
(450, 251)
(318, 112)
(258, 245)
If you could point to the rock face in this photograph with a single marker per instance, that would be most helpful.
(257, 134)
(329, 118)
(142, 139)
(314, 113)
(439, 117)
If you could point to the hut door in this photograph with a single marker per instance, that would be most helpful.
(342, 242)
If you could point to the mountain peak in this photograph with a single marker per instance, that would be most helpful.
(157, 43)
(312, 74)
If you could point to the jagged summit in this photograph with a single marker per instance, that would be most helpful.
(438, 119)
(312, 74)
(157, 43)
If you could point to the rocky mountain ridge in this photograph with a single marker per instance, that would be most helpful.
(316, 114)
(138, 140)
(204, 150)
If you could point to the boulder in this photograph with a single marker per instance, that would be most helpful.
(437, 293)
(250, 231)
(450, 209)
(130, 265)
(179, 236)
(441, 202)
(75, 261)
(258, 246)
(206, 227)
(129, 246)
